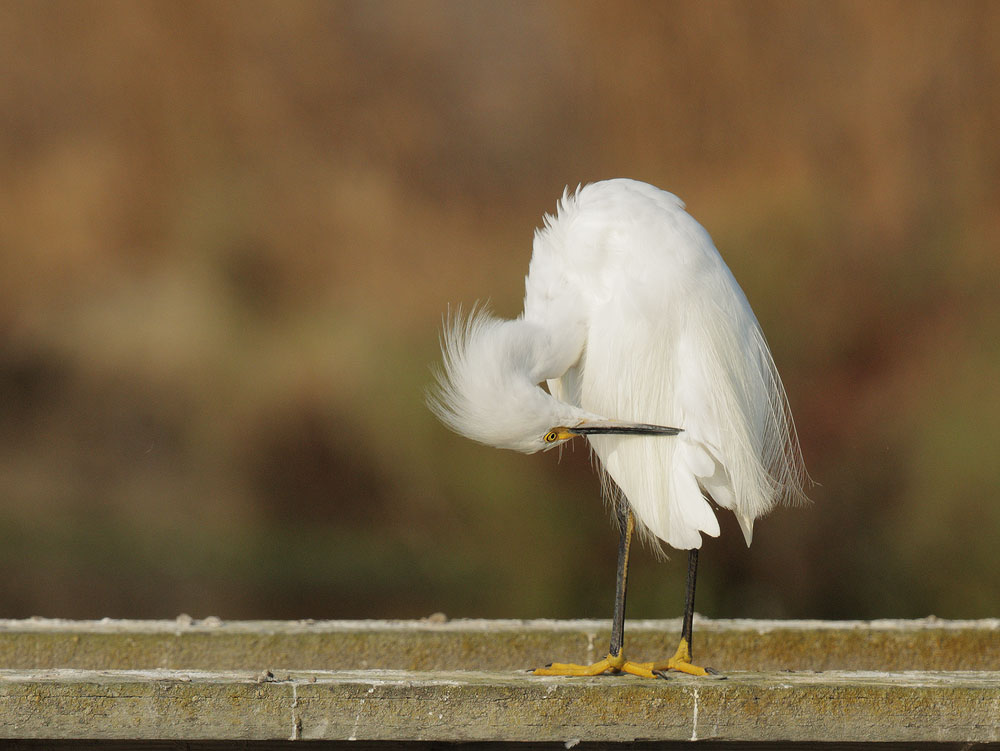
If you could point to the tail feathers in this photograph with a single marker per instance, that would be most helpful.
(712, 476)
(695, 474)
(746, 524)
(690, 513)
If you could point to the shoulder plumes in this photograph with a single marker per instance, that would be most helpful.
(555, 222)
(563, 206)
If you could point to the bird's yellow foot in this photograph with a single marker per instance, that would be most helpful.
(681, 662)
(611, 663)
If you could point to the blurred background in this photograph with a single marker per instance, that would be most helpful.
(228, 233)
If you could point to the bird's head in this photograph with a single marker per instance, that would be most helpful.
(489, 389)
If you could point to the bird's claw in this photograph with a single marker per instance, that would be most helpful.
(680, 663)
(610, 664)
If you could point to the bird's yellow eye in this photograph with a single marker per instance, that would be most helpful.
(551, 437)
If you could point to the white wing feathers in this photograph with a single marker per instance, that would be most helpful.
(671, 340)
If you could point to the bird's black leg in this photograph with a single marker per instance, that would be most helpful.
(681, 661)
(626, 524)
(692, 574)
(615, 662)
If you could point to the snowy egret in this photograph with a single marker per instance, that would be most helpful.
(650, 350)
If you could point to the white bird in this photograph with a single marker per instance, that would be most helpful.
(634, 322)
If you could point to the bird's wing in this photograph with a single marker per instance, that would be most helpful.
(669, 339)
(630, 373)
(672, 341)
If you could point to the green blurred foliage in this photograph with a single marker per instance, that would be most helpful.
(228, 232)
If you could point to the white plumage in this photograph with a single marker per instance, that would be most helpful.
(632, 317)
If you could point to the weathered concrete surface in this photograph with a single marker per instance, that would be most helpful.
(833, 706)
(210, 644)
(460, 681)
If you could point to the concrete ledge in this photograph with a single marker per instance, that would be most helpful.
(211, 644)
(420, 681)
(479, 706)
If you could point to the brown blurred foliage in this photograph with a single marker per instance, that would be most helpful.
(228, 232)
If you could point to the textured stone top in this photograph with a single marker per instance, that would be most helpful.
(437, 680)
